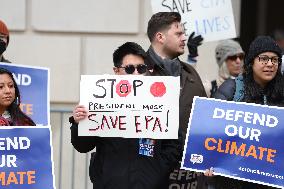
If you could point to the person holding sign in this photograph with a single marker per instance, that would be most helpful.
(260, 83)
(121, 163)
(167, 38)
(10, 99)
(4, 40)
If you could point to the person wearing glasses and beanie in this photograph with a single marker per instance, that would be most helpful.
(229, 57)
(261, 82)
(123, 163)
(4, 41)
(168, 42)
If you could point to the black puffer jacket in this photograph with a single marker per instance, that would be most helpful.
(118, 165)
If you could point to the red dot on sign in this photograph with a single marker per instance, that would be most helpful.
(158, 89)
(123, 88)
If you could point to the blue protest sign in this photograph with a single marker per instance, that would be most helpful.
(26, 158)
(33, 83)
(239, 140)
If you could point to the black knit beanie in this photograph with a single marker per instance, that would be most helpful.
(262, 44)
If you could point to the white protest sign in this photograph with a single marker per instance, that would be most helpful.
(213, 19)
(130, 106)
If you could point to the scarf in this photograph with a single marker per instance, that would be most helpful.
(171, 67)
(5, 119)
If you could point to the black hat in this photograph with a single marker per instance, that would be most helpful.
(262, 44)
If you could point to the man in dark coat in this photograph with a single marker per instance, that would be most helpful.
(124, 163)
(167, 39)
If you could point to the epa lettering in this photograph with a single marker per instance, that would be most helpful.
(212, 25)
(22, 79)
(153, 123)
(181, 6)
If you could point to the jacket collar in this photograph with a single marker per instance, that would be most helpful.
(168, 66)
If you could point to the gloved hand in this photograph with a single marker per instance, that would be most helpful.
(193, 43)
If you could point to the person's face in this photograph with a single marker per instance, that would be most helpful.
(265, 67)
(235, 64)
(174, 40)
(7, 91)
(129, 62)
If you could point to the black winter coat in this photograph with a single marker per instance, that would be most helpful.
(191, 85)
(118, 165)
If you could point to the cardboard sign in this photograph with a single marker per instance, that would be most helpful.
(26, 158)
(130, 106)
(213, 19)
(239, 140)
(33, 83)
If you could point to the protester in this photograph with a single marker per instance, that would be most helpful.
(229, 57)
(4, 40)
(260, 83)
(10, 99)
(118, 162)
(167, 38)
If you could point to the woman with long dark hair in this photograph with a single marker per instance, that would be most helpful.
(10, 99)
(260, 83)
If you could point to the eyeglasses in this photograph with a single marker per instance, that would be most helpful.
(234, 58)
(275, 60)
(130, 69)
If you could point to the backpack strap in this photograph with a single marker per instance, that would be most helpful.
(239, 93)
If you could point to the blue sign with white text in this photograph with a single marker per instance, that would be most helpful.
(25, 160)
(239, 140)
(33, 84)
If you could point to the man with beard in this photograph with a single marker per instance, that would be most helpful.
(167, 38)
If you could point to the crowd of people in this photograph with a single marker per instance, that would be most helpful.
(253, 77)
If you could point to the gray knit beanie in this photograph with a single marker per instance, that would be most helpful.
(225, 49)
